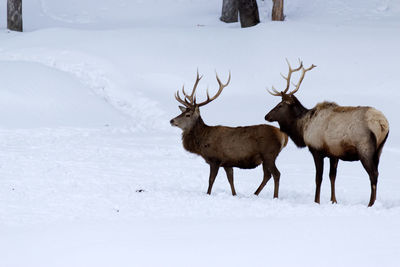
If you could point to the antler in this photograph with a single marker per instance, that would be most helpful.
(221, 87)
(276, 93)
(191, 97)
(301, 78)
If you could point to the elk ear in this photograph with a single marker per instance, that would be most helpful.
(196, 109)
(182, 108)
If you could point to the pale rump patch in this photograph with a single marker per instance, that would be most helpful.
(283, 136)
(343, 130)
(377, 123)
(284, 140)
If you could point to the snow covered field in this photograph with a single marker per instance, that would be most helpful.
(92, 174)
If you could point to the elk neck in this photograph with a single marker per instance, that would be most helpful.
(294, 125)
(193, 137)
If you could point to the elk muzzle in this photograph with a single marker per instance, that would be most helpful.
(268, 117)
(173, 122)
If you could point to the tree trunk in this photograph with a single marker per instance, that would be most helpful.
(277, 10)
(230, 9)
(248, 13)
(14, 15)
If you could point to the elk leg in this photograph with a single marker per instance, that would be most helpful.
(229, 175)
(213, 173)
(267, 176)
(277, 176)
(372, 170)
(319, 167)
(332, 177)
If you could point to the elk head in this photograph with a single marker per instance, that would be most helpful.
(289, 107)
(190, 109)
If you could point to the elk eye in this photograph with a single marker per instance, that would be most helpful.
(187, 115)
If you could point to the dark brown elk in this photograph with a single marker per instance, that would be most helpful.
(227, 147)
(333, 131)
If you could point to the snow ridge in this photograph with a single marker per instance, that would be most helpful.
(101, 78)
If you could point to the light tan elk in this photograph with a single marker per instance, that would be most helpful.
(333, 131)
(220, 146)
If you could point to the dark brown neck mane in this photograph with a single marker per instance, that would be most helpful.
(192, 138)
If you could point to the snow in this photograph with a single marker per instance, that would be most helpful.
(92, 174)
(47, 97)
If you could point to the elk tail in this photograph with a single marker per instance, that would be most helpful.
(378, 152)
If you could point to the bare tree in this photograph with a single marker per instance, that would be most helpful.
(14, 15)
(230, 9)
(247, 10)
(248, 13)
(277, 10)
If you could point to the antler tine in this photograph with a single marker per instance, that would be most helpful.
(190, 97)
(301, 78)
(220, 83)
(275, 92)
(178, 98)
(290, 74)
(221, 87)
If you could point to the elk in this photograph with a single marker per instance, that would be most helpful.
(228, 147)
(328, 130)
